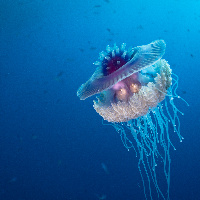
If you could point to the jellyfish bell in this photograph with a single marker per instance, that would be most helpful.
(123, 76)
(131, 86)
(116, 64)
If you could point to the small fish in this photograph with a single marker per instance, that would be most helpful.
(34, 137)
(102, 197)
(70, 59)
(104, 168)
(59, 76)
(184, 92)
(93, 48)
(108, 30)
(97, 6)
(60, 73)
(14, 179)
(140, 27)
(82, 50)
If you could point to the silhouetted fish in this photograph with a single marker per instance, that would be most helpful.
(97, 6)
(108, 29)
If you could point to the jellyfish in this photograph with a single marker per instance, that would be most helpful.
(135, 90)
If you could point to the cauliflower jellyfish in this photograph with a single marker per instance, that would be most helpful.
(135, 91)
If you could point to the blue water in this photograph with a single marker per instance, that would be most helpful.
(54, 146)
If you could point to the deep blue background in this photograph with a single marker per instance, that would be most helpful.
(52, 145)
